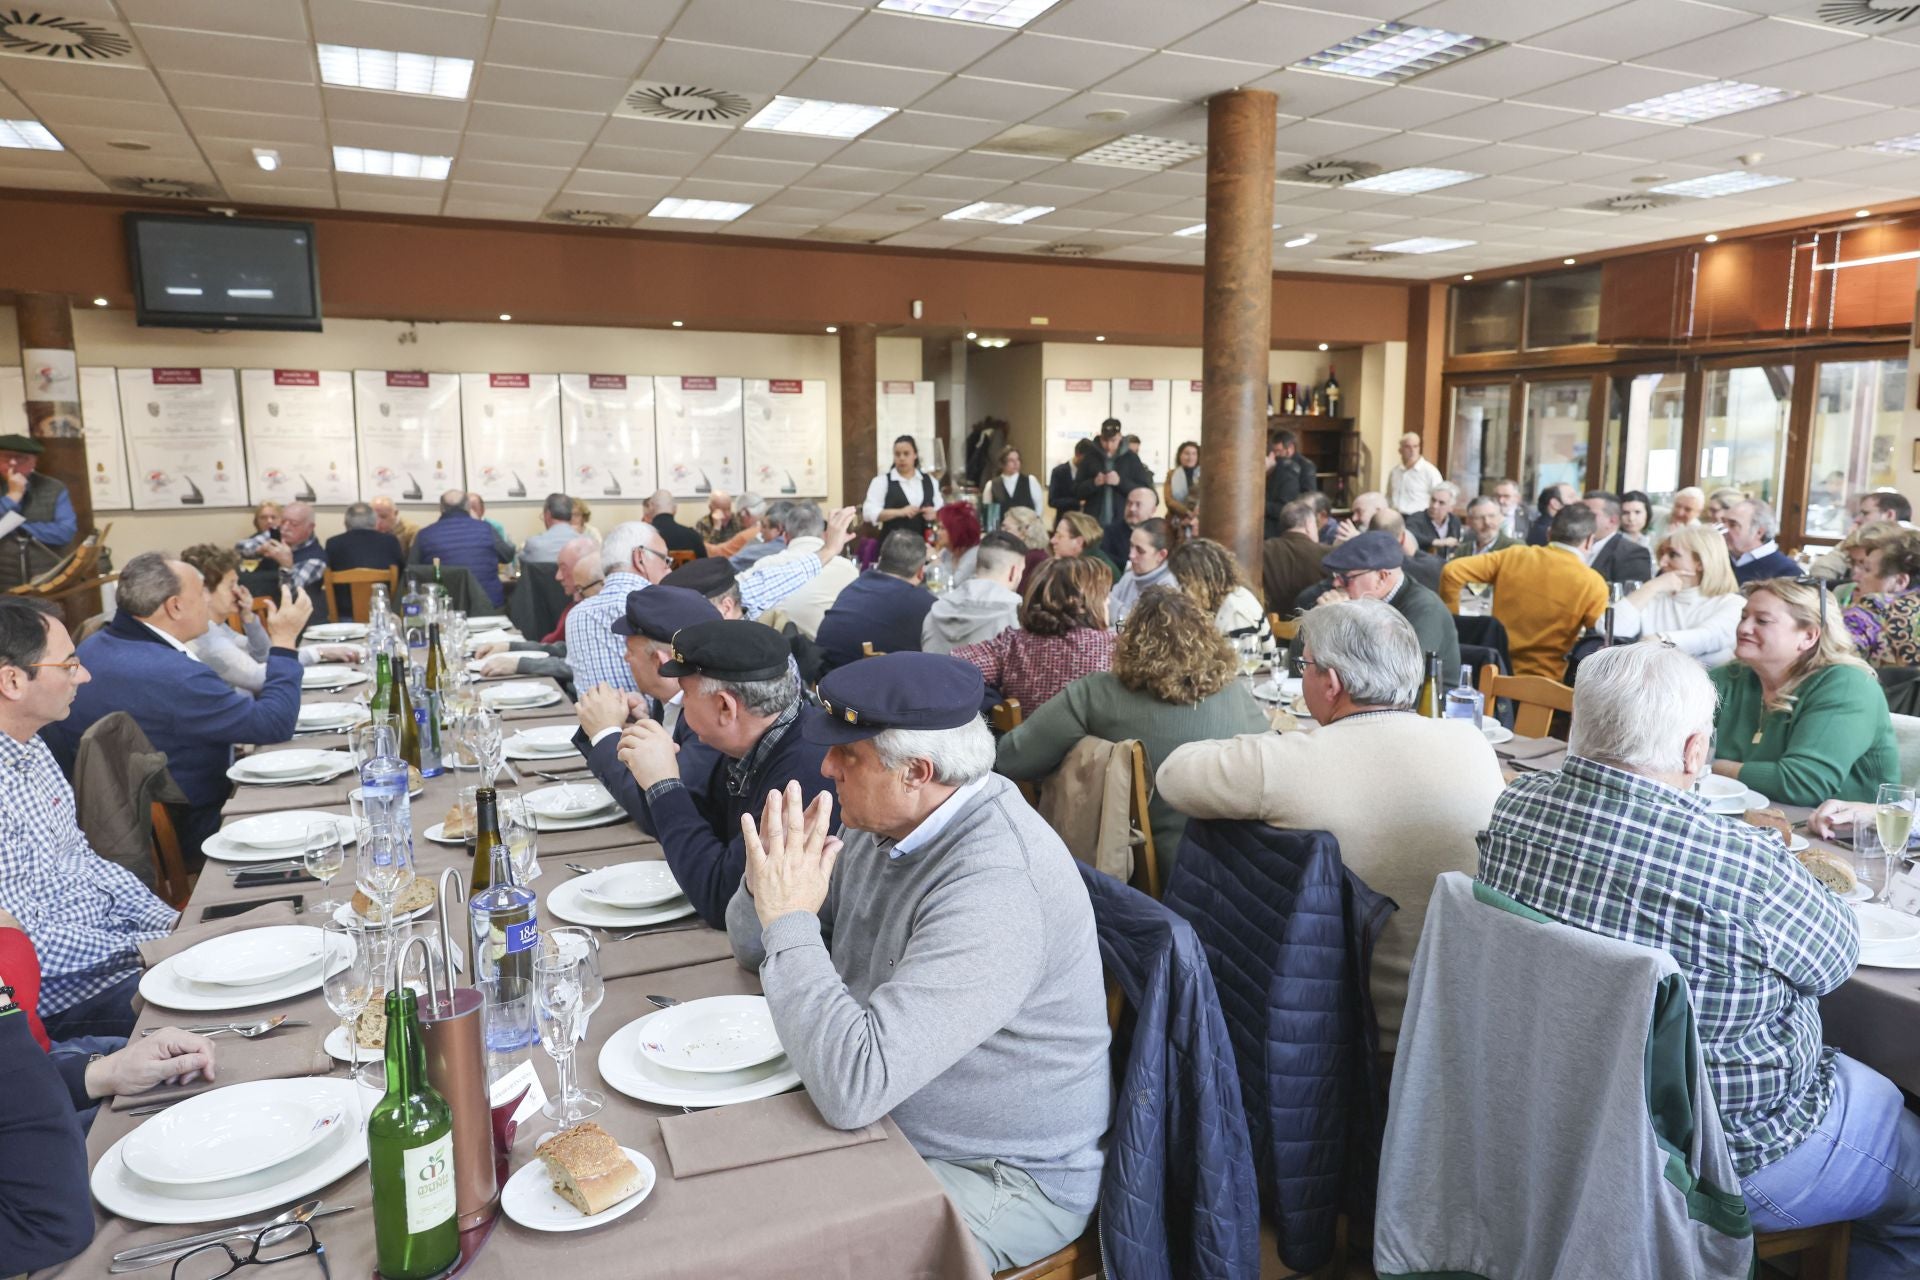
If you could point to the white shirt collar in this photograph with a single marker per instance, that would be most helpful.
(936, 822)
(170, 639)
(1765, 549)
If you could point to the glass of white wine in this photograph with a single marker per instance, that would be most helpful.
(1893, 818)
(325, 857)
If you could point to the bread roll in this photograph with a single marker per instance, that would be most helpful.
(1831, 870)
(420, 892)
(370, 1028)
(1772, 820)
(588, 1168)
(455, 826)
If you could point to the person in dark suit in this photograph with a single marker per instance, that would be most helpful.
(1104, 478)
(458, 538)
(1552, 498)
(1613, 557)
(1116, 540)
(658, 510)
(1291, 563)
(1485, 530)
(886, 606)
(1060, 495)
(1750, 527)
(1421, 566)
(362, 546)
(1437, 529)
(1289, 476)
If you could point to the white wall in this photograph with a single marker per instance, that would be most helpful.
(112, 338)
(1382, 409)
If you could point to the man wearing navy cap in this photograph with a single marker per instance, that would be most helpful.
(713, 577)
(742, 698)
(938, 961)
(1371, 566)
(36, 515)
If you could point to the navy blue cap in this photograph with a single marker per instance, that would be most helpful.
(709, 575)
(1374, 549)
(730, 649)
(895, 691)
(658, 611)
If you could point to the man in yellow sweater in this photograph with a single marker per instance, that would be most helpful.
(1544, 596)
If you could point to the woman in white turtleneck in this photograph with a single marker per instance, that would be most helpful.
(1693, 603)
(1010, 488)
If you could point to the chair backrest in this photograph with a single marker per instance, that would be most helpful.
(1282, 629)
(1535, 699)
(98, 622)
(117, 776)
(359, 585)
(680, 557)
(1005, 717)
(77, 564)
(170, 878)
(1906, 736)
(1148, 869)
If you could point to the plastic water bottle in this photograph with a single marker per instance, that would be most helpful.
(1464, 702)
(383, 792)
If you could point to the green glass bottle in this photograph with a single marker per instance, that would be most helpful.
(409, 722)
(410, 1157)
(486, 837)
(382, 701)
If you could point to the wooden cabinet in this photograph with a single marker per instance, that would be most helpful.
(1643, 298)
(1748, 288)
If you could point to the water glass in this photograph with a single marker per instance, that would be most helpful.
(506, 1015)
(1870, 860)
(383, 866)
(348, 980)
(379, 736)
(519, 832)
(324, 857)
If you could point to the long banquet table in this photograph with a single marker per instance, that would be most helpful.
(870, 1210)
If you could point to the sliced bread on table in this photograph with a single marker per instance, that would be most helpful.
(588, 1168)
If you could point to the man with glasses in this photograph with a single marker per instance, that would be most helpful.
(1370, 566)
(633, 558)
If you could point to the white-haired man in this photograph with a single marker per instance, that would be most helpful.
(633, 558)
(1750, 526)
(1437, 529)
(1617, 843)
(1361, 679)
(1410, 484)
(1688, 503)
(940, 966)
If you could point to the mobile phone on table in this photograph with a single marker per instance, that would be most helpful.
(268, 879)
(225, 910)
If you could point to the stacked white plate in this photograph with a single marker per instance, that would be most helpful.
(329, 675)
(241, 970)
(271, 837)
(235, 1151)
(569, 806)
(1889, 939)
(333, 632)
(277, 768)
(546, 742)
(1728, 795)
(488, 622)
(722, 1050)
(628, 896)
(318, 717)
(516, 695)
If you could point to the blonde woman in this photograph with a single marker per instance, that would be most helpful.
(1801, 719)
(1693, 603)
(1208, 572)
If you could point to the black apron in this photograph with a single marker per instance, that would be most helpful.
(998, 494)
(897, 498)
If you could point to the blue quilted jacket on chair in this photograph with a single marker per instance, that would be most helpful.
(1178, 1200)
(1288, 934)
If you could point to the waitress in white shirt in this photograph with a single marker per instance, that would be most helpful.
(905, 497)
(1010, 489)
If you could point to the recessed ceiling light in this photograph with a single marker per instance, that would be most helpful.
(392, 72)
(128, 144)
(698, 210)
(818, 118)
(994, 13)
(506, 315)
(27, 135)
(1863, 213)
(267, 158)
(1392, 51)
(1567, 262)
(1099, 337)
(833, 328)
(99, 302)
(1007, 214)
(1108, 115)
(1902, 146)
(1467, 276)
(1140, 151)
(679, 324)
(1732, 182)
(1298, 241)
(1407, 182)
(391, 164)
(971, 335)
(1323, 346)
(1425, 244)
(1712, 238)
(1704, 102)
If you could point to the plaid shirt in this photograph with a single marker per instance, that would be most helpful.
(1030, 669)
(1759, 939)
(87, 916)
(309, 558)
(766, 585)
(596, 655)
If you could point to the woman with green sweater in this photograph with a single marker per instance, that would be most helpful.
(1802, 718)
(1174, 681)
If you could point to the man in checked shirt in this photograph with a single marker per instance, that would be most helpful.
(86, 915)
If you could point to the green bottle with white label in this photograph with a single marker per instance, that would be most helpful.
(410, 1157)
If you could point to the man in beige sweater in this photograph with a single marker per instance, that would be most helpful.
(1404, 795)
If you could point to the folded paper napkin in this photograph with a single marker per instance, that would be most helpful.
(152, 953)
(1531, 748)
(675, 946)
(753, 1133)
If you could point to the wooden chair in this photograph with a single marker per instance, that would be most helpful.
(1147, 872)
(1005, 716)
(680, 557)
(359, 585)
(1822, 1250)
(1535, 699)
(170, 879)
(1282, 630)
(79, 564)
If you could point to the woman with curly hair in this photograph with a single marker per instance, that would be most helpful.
(1062, 634)
(1208, 572)
(1884, 617)
(1175, 680)
(956, 540)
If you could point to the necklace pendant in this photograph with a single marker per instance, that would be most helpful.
(1757, 735)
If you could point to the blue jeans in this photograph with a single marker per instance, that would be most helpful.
(1861, 1164)
(107, 1013)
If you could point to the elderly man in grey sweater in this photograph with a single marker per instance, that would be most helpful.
(937, 961)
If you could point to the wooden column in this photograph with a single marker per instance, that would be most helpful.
(1236, 332)
(859, 411)
(52, 375)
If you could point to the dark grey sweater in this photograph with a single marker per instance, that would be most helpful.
(957, 987)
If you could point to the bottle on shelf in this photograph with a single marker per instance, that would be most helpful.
(1464, 702)
(1333, 393)
(506, 928)
(410, 1157)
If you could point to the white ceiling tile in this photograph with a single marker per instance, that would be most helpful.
(295, 157)
(533, 122)
(1505, 157)
(1325, 137)
(1182, 77)
(901, 157)
(948, 187)
(240, 17)
(1624, 32)
(742, 192)
(1405, 149)
(1508, 71)
(502, 174)
(898, 40)
(375, 24)
(863, 82)
(238, 93)
(266, 130)
(1498, 121)
(1032, 58)
(121, 83)
(929, 129)
(1173, 182)
(1500, 19)
(219, 54)
(1859, 69)
(534, 200)
(508, 150)
(1795, 116)
(531, 87)
(371, 202)
(1594, 133)
(761, 144)
(997, 99)
(661, 135)
(721, 168)
(1280, 34)
(371, 106)
(1858, 131)
(1405, 108)
(294, 197)
(497, 211)
(983, 164)
(782, 26)
(633, 17)
(75, 179)
(1573, 168)
(1901, 90)
(831, 202)
(1144, 115)
(380, 184)
(602, 162)
(576, 49)
(1304, 94)
(636, 195)
(840, 177)
(389, 137)
(1611, 87)
(1737, 51)
(1152, 23)
(58, 110)
(715, 66)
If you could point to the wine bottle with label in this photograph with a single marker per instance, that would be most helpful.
(1429, 704)
(410, 1157)
(409, 722)
(506, 930)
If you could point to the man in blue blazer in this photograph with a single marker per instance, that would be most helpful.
(1750, 527)
(140, 664)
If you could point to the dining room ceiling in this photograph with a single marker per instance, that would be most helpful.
(1461, 135)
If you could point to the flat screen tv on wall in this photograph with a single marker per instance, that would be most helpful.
(223, 273)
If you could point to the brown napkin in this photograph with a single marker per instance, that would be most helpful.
(753, 1133)
(152, 953)
(675, 946)
(278, 1055)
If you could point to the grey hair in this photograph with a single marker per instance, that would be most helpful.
(559, 508)
(1765, 523)
(750, 503)
(1636, 705)
(759, 697)
(803, 520)
(958, 756)
(147, 582)
(1482, 501)
(616, 553)
(360, 516)
(1447, 487)
(1372, 647)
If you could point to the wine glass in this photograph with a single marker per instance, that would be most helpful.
(518, 830)
(1870, 859)
(1893, 822)
(557, 1002)
(347, 977)
(383, 866)
(583, 946)
(479, 731)
(324, 857)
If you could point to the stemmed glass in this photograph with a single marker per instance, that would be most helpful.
(478, 731)
(324, 857)
(377, 737)
(519, 831)
(1893, 822)
(349, 987)
(567, 989)
(383, 867)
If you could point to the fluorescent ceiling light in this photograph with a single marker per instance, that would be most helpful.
(1139, 151)
(384, 69)
(1903, 146)
(267, 158)
(994, 13)
(1008, 214)
(1732, 182)
(1392, 51)
(698, 210)
(1424, 244)
(391, 164)
(1300, 240)
(1704, 102)
(818, 118)
(27, 135)
(1407, 182)
(1867, 262)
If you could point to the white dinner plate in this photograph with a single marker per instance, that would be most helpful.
(605, 817)
(121, 1191)
(624, 1068)
(164, 985)
(1797, 843)
(344, 914)
(518, 693)
(530, 1200)
(330, 675)
(316, 716)
(252, 956)
(232, 1132)
(285, 764)
(569, 801)
(631, 886)
(1495, 732)
(331, 631)
(1884, 929)
(488, 622)
(339, 1047)
(223, 848)
(719, 1033)
(545, 740)
(273, 830)
(319, 765)
(438, 834)
(1905, 955)
(1859, 893)
(567, 902)
(414, 794)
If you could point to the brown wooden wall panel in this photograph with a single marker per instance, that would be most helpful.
(1747, 288)
(1870, 297)
(1644, 298)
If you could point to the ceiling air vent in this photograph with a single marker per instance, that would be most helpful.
(1633, 202)
(688, 103)
(588, 218)
(1877, 15)
(170, 188)
(1364, 255)
(28, 33)
(1070, 249)
(1329, 173)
